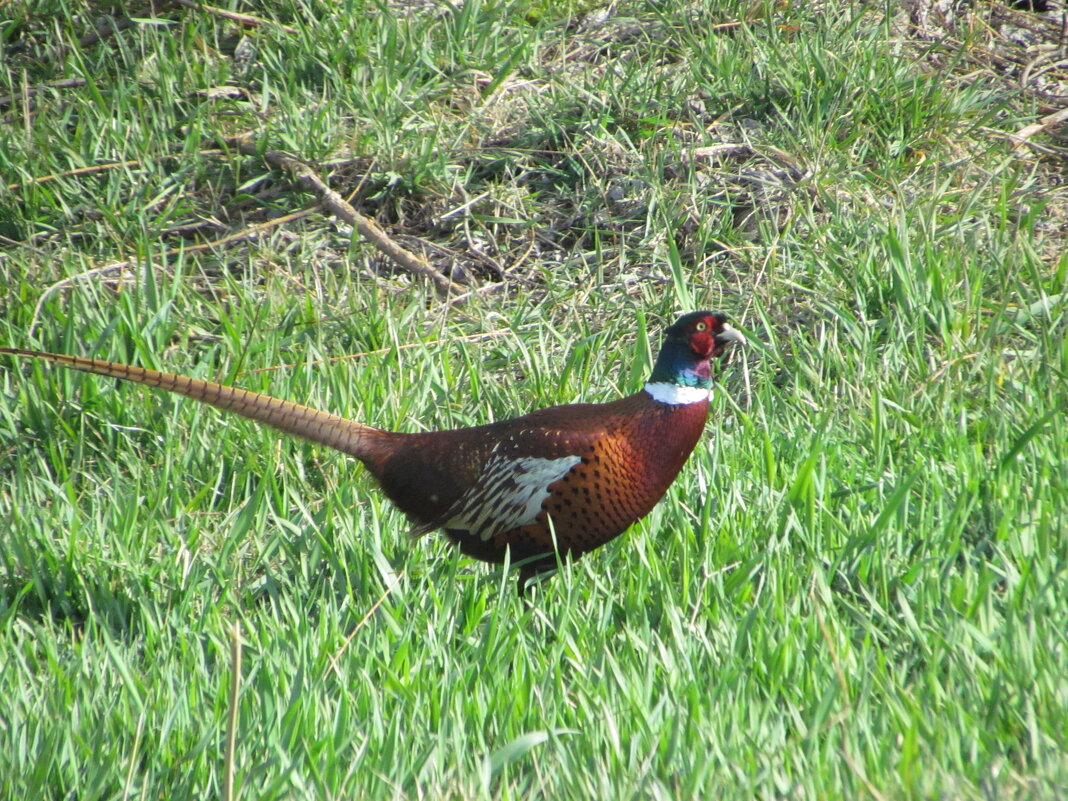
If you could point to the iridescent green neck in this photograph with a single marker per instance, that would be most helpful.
(677, 365)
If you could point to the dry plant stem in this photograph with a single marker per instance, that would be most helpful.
(723, 150)
(231, 720)
(364, 619)
(243, 19)
(482, 291)
(1025, 133)
(14, 243)
(310, 181)
(114, 165)
(117, 266)
(134, 755)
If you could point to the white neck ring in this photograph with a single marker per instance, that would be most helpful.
(673, 394)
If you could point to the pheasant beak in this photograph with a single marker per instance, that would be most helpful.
(727, 336)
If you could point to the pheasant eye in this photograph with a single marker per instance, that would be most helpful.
(701, 326)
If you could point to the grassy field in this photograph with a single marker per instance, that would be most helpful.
(857, 586)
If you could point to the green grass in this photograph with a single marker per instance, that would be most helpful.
(854, 590)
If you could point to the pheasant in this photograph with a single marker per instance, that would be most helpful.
(562, 480)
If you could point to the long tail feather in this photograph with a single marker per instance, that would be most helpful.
(327, 429)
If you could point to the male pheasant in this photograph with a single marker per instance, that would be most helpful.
(566, 479)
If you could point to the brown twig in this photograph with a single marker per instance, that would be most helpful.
(66, 83)
(105, 29)
(247, 20)
(309, 180)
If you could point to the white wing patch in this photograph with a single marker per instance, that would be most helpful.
(508, 493)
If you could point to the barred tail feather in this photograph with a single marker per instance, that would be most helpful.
(323, 428)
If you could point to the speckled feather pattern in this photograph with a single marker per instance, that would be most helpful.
(629, 451)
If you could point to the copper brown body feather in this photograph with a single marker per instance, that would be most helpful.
(629, 451)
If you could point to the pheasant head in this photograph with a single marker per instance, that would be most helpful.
(683, 370)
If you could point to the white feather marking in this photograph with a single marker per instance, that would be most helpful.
(508, 493)
(664, 392)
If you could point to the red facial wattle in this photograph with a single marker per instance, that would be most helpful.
(702, 344)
